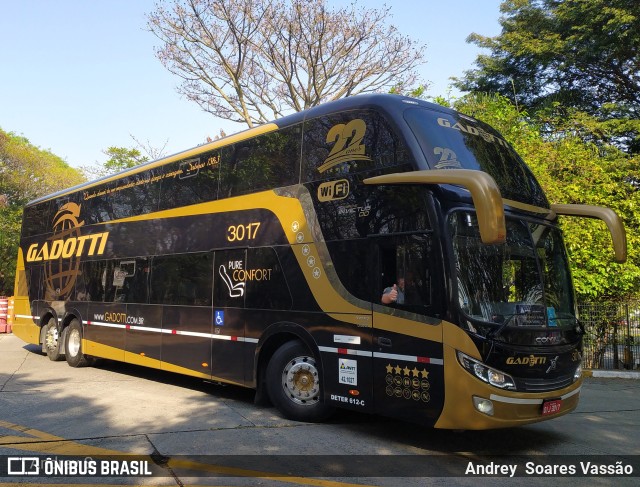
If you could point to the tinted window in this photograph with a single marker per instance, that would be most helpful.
(266, 285)
(137, 194)
(350, 142)
(191, 181)
(92, 281)
(34, 278)
(352, 262)
(265, 162)
(182, 279)
(368, 210)
(408, 261)
(131, 279)
(37, 219)
(124, 281)
(454, 141)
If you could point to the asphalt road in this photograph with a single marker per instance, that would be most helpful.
(189, 432)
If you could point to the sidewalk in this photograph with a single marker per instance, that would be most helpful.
(612, 374)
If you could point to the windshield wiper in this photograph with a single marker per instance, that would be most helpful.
(499, 329)
(495, 332)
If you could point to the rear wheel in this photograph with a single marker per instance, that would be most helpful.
(52, 340)
(73, 346)
(293, 382)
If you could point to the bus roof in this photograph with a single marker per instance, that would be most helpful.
(391, 104)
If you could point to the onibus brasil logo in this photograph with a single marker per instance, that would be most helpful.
(62, 251)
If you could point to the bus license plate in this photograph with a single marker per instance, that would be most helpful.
(551, 407)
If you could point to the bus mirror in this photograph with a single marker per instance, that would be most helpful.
(484, 192)
(607, 215)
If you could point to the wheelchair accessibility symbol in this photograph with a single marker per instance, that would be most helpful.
(219, 317)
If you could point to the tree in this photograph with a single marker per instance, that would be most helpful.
(252, 61)
(26, 172)
(581, 53)
(572, 170)
(121, 158)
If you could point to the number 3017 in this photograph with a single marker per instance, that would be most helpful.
(238, 233)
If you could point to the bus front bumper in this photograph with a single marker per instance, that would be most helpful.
(471, 404)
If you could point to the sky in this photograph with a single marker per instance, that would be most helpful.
(79, 76)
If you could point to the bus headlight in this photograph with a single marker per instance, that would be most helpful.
(483, 405)
(578, 373)
(485, 373)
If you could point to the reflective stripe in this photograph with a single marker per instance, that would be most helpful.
(572, 393)
(512, 400)
(390, 356)
(409, 358)
(346, 351)
(170, 331)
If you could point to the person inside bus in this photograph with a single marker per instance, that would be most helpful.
(394, 294)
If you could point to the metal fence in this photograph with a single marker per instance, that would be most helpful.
(612, 339)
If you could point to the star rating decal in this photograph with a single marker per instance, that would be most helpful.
(407, 384)
(407, 372)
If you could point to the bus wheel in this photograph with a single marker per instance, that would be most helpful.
(293, 382)
(73, 346)
(52, 340)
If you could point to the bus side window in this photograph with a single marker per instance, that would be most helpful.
(38, 219)
(350, 142)
(131, 278)
(89, 286)
(268, 161)
(352, 263)
(191, 181)
(266, 285)
(34, 279)
(183, 279)
(406, 261)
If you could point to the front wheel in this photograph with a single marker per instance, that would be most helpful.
(73, 346)
(52, 340)
(293, 383)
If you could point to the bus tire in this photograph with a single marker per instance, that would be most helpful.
(293, 383)
(73, 346)
(52, 339)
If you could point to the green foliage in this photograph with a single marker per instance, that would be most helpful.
(418, 92)
(574, 169)
(26, 172)
(119, 159)
(558, 51)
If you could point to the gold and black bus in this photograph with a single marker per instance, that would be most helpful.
(263, 259)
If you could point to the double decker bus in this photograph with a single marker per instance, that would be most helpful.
(377, 253)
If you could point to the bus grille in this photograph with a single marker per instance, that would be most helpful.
(543, 385)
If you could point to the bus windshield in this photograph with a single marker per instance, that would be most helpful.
(455, 141)
(523, 284)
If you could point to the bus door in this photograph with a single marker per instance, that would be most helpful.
(407, 339)
(181, 289)
(106, 314)
(143, 322)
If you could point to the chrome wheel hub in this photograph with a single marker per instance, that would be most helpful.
(74, 343)
(301, 381)
(51, 338)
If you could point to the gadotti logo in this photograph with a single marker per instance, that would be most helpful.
(62, 251)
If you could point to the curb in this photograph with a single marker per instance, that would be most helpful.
(611, 374)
